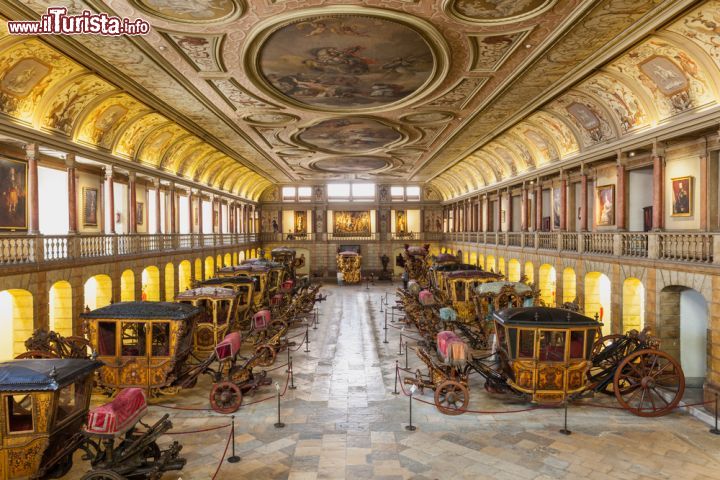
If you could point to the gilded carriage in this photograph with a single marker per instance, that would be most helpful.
(143, 344)
(492, 297)
(349, 264)
(416, 263)
(43, 403)
(288, 257)
(220, 316)
(268, 278)
(437, 272)
(458, 290)
(244, 286)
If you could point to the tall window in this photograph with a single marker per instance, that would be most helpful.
(184, 213)
(412, 193)
(288, 194)
(363, 191)
(351, 192)
(338, 191)
(53, 201)
(304, 193)
(399, 194)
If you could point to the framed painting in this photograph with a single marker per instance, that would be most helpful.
(300, 221)
(352, 223)
(400, 221)
(140, 213)
(682, 197)
(13, 195)
(605, 205)
(90, 207)
(556, 199)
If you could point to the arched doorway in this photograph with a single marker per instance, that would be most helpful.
(127, 286)
(242, 256)
(209, 268)
(184, 276)
(169, 282)
(501, 266)
(598, 295)
(682, 328)
(252, 253)
(547, 278)
(98, 292)
(235, 258)
(513, 270)
(473, 258)
(198, 270)
(151, 284)
(530, 272)
(481, 261)
(227, 260)
(490, 264)
(569, 285)
(219, 261)
(16, 312)
(60, 308)
(633, 308)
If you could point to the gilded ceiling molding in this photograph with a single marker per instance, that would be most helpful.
(130, 136)
(180, 144)
(497, 12)
(197, 157)
(203, 52)
(195, 170)
(208, 12)
(490, 51)
(155, 144)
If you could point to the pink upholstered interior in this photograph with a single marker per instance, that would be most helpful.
(261, 319)
(119, 415)
(451, 347)
(426, 297)
(276, 299)
(229, 346)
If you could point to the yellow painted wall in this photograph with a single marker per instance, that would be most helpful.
(16, 312)
(127, 286)
(151, 284)
(98, 291)
(184, 276)
(60, 311)
(547, 278)
(597, 299)
(209, 268)
(169, 282)
(633, 309)
(569, 285)
(513, 274)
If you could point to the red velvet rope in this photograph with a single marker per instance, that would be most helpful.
(199, 431)
(222, 460)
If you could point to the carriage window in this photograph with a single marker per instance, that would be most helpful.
(590, 340)
(70, 400)
(161, 339)
(132, 341)
(526, 344)
(500, 335)
(552, 346)
(273, 278)
(223, 308)
(577, 341)
(206, 306)
(244, 294)
(460, 291)
(106, 338)
(19, 413)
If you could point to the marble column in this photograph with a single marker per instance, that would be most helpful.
(583, 203)
(72, 194)
(658, 191)
(524, 209)
(110, 197)
(488, 213)
(620, 221)
(200, 212)
(538, 207)
(703, 189)
(173, 200)
(132, 207)
(158, 211)
(32, 153)
(191, 199)
(498, 219)
(509, 211)
(563, 204)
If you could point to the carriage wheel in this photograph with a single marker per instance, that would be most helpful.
(152, 453)
(452, 397)
(649, 383)
(36, 354)
(225, 397)
(603, 342)
(81, 344)
(265, 355)
(102, 475)
(275, 327)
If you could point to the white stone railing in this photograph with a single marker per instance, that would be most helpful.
(686, 247)
(27, 249)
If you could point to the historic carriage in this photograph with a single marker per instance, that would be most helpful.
(220, 316)
(458, 290)
(437, 272)
(143, 344)
(550, 356)
(244, 286)
(50, 344)
(268, 277)
(288, 257)
(349, 264)
(44, 406)
(416, 263)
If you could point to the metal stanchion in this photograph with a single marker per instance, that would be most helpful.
(315, 322)
(233, 458)
(406, 355)
(278, 424)
(381, 304)
(287, 370)
(400, 343)
(292, 376)
(385, 328)
(715, 430)
(397, 374)
(410, 427)
(565, 430)
(307, 344)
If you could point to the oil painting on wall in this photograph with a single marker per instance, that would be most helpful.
(13, 195)
(351, 222)
(556, 208)
(140, 213)
(346, 61)
(605, 205)
(90, 207)
(401, 221)
(682, 195)
(300, 221)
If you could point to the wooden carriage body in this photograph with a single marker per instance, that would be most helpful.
(545, 352)
(143, 344)
(458, 288)
(285, 256)
(349, 264)
(220, 315)
(268, 276)
(492, 297)
(437, 273)
(43, 405)
(416, 263)
(244, 286)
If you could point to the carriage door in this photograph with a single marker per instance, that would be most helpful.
(159, 361)
(134, 356)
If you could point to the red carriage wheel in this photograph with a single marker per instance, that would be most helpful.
(36, 354)
(225, 397)
(452, 397)
(265, 355)
(649, 383)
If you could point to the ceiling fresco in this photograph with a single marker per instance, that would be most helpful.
(241, 94)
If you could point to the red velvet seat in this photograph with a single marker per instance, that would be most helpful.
(118, 416)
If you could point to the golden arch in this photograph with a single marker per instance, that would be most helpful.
(184, 276)
(151, 284)
(209, 268)
(60, 303)
(569, 285)
(16, 311)
(198, 270)
(633, 311)
(513, 270)
(98, 292)
(547, 279)
(127, 286)
(530, 272)
(169, 282)
(598, 299)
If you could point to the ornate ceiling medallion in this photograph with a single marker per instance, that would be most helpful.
(346, 59)
(496, 11)
(270, 118)
(349, 135)
(348, 165)
(197, 11)
(423, 118)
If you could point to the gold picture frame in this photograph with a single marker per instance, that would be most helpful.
(13, 195)
(681, 189)
(605, 205)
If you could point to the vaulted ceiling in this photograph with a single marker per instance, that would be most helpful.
(242, 94)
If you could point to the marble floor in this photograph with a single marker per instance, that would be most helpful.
(342, 421)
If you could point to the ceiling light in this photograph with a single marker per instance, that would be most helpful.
(528, 45)
(631, 154)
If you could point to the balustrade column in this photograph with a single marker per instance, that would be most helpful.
(658, 191)
(583, 203)
(72, 194)
(132, 214)
(523, 209)
(110, 197)
(563, 205)
(620, 211)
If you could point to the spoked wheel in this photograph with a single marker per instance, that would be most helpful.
(649, 383)
(152, 453)
(275, 327)
(452, 397)
(102, 475)
(603, 342)
(225, 397)
(35, 354)
(266, 355)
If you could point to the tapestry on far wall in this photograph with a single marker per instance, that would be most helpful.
(351, 222)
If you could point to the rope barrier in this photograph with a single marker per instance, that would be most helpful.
(279, 366)
(222, 460)
(199, 431)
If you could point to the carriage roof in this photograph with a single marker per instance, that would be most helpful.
(472, 274)
(145, 310)
(495, 288)
(215, 293)
(46, 374)
(544, 317)
(282, 251)
(227, 280)
(416, 251)
(348, 254)
(446, 258)
(451, 267)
